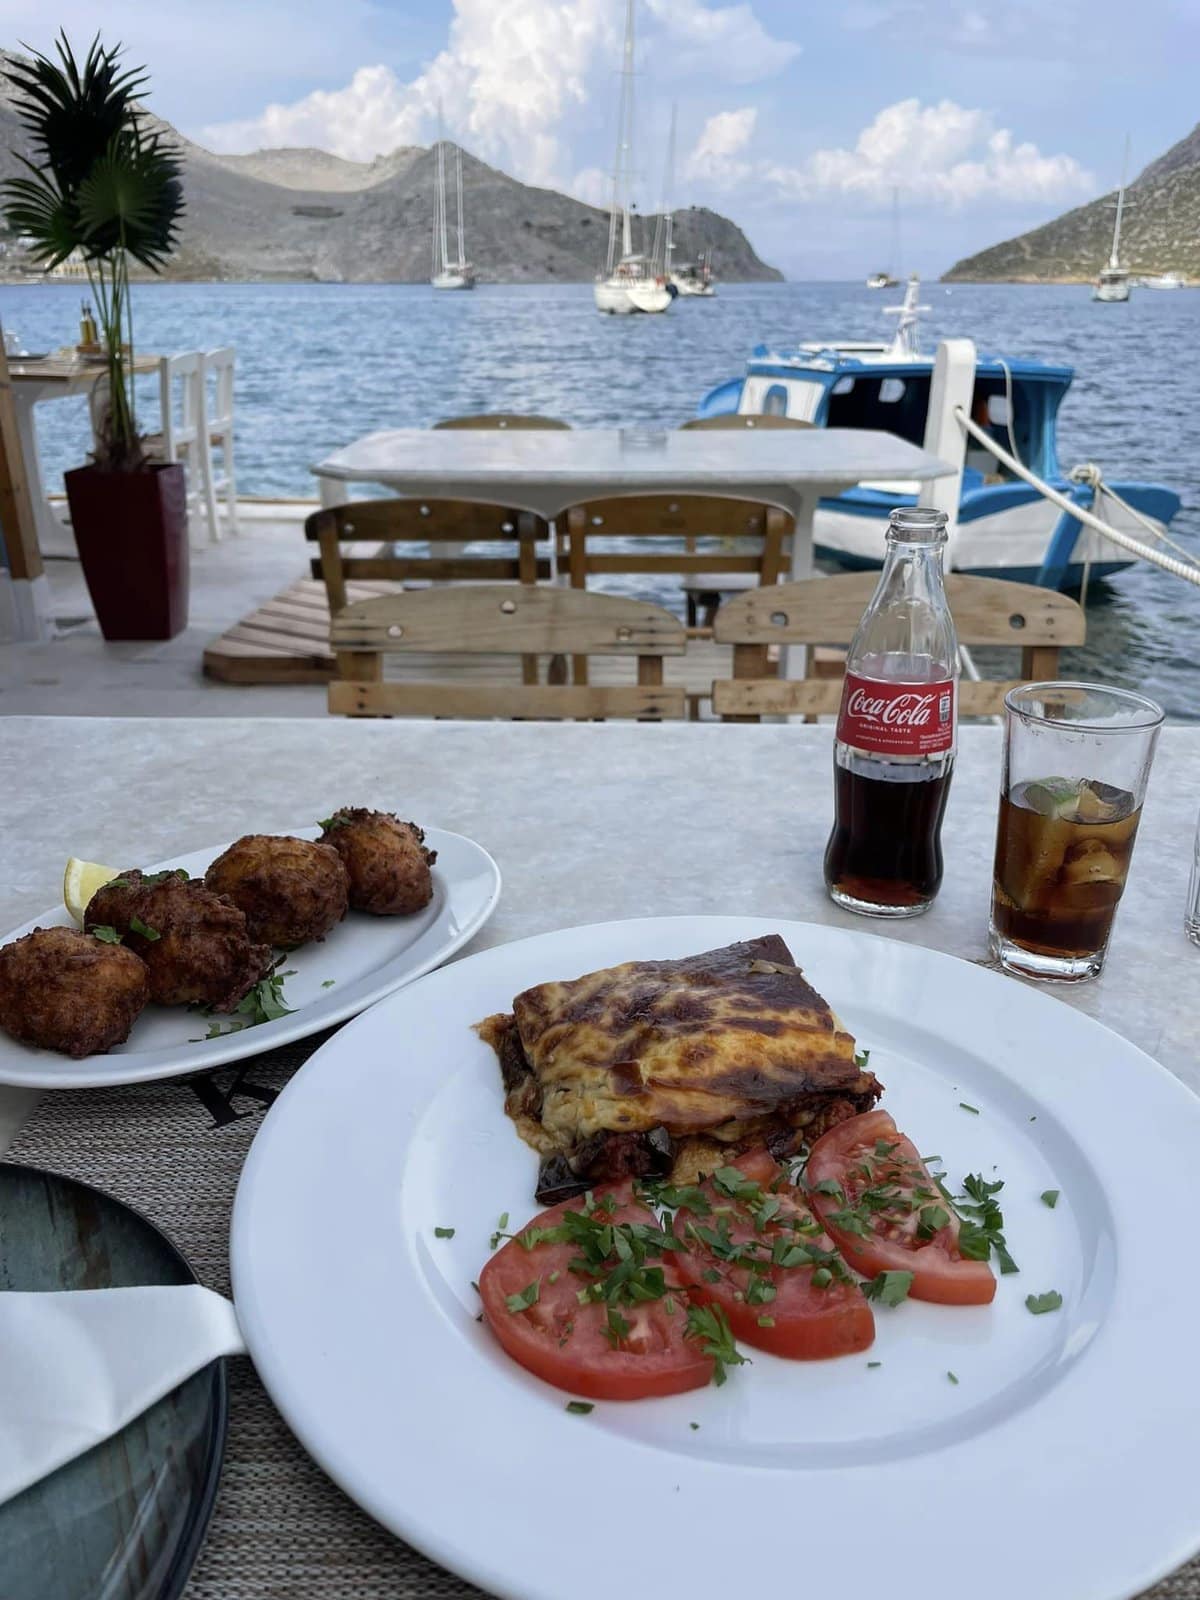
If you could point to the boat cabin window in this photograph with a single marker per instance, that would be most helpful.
(775, 401)
(1015, 426)
(782, 397)
(894, 404)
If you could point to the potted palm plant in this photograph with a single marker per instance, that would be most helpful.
(104, 186)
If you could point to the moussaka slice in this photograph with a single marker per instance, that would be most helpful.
(672, 1067)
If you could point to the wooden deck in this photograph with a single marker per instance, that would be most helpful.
(287, 641)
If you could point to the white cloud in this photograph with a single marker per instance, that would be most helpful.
(514, 77)
(717, 155)
(945, 154)
(728, 41)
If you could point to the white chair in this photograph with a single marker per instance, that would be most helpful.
(181, 387)
(219, 364)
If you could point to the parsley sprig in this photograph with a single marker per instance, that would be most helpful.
(263, 1003)
(981, 1233)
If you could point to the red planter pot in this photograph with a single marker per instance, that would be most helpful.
(132, 533)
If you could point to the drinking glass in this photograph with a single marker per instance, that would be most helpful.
(1076, 760)
(1191, 917)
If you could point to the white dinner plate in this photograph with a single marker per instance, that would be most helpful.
(360, 961)
(1060, 1465)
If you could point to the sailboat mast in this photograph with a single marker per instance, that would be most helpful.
(624, 175)
(462, 234)
(667, 214)
(1115, 259)
(441, 241)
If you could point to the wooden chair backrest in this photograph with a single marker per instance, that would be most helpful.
(415, 521)
(502, 419)
(746, 419)
(986, 611)
(495, 619)
(675, 516)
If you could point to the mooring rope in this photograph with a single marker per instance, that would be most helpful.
(1187, 569)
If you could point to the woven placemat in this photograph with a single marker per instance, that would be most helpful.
(281, 1530)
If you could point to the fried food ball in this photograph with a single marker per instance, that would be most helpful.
(292, 890)
(386, 861)
(196, 946)
(65, 991)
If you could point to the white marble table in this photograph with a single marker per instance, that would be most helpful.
(545, 472)
(588, 822)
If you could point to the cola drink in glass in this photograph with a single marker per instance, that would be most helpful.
(896, 733)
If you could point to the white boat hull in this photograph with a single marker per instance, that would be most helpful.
(620, 298)
(1111, 292)
(1012, 541)
(453, 280)
(694, 291)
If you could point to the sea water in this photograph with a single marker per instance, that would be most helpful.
(320, 364)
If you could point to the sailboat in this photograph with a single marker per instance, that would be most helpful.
(885, 280)
(689, 278)
(630, 282)
(1113, 282)
(457, 273)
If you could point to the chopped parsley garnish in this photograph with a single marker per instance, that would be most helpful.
(974, 1110)
(889, 1288)
(861, 1059)
(262, 1003)
(161, 877)
(500, 1227)
(336, 821)
(708, 1323)
(1038, 1304)
(105, 934)
(982, 1230)
(1050, 1197)
(527, 1297)
(694, 1426)
(952, 1378)
(443, 1233)
(329, 983)
(871, 1364)
(766, 1322)
(136, 925)
(580, 1408)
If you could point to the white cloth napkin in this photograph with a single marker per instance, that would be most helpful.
(76, 1366)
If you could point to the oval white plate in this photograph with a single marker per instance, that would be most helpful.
(365, 957)
(830, 1477)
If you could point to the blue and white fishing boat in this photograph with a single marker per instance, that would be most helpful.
(1006, 527)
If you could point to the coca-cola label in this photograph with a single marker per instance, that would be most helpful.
(897, 719)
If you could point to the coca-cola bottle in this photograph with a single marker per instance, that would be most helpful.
(896, 731)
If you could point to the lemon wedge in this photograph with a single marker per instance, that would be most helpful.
(80, 882)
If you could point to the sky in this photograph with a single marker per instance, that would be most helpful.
(797, 119)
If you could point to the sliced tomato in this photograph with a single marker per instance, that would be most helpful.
(754, 1247)
(627, 1347)
(878, 1200)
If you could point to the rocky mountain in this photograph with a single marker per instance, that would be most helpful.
(1160, 231)
(307, 214)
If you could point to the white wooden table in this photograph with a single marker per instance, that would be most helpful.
(545, 472)
(588, 821)
(32, 382)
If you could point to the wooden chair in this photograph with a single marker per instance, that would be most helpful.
(686, 518)
(398, 522)
(510, 621)
(501, 419)
(417, 521)
(746, 419)
(987, 611)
